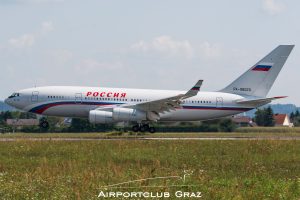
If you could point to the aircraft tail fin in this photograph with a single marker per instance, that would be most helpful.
(258, 80)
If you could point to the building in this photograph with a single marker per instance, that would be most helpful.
(282, 120)
(243, 121)
(22, 122)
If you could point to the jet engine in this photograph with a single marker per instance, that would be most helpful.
(100, 117)
(116, 115)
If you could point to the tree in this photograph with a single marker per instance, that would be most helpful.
(2, 118)
(264, 117)
(295, 118)
(27, 115)
(259, 117)
(226, 125)
(292, 116)
(7, 115)
(80, 125)
(15, 114)
(209, 125)
(269, 117)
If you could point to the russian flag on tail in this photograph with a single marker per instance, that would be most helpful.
(264, 68)
(197, 88)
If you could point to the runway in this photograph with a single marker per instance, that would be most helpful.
(144, 138)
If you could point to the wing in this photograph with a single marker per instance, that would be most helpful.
(167, 104)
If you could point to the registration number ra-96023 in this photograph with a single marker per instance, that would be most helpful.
(242, 89)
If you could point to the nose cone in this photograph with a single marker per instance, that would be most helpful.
(6, 101)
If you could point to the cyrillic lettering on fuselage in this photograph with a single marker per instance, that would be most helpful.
(106, 94)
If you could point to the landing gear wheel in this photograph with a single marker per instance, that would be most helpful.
(44, 124)
(152, 130)
(135, 128)
(144, 128)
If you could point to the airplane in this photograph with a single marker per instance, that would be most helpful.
(103, 105)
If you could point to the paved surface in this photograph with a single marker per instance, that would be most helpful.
(148, 138)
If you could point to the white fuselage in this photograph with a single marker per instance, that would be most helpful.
(67, 101)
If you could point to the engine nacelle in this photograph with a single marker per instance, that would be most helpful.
(128, 114)
(100, 117)
(152, 116)
(117, 115)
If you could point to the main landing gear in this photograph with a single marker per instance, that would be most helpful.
(143, 128)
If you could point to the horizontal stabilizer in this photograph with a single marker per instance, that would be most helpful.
(259, 101)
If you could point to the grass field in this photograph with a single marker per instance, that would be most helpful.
(268, 169)
(241, 132)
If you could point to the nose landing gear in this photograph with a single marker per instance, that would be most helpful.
(143, 128)
(44, 124)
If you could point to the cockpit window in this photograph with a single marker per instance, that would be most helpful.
(14, 95)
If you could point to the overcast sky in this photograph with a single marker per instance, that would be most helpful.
(163, 44)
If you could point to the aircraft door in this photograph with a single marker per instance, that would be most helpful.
(219, 102)
(35, 96)
(78, 98)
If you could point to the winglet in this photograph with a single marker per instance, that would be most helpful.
(194, 90)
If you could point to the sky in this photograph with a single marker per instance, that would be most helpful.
(159, 44)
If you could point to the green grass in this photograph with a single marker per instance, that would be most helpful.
(269, 130)
(241, 132)
(221, 169)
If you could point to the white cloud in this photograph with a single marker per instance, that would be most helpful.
(62, 56)
(24, 41)
(47, 27)
(273, 7)
(209, 50)
(90, 65)
(29, 39)
(167, 46)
